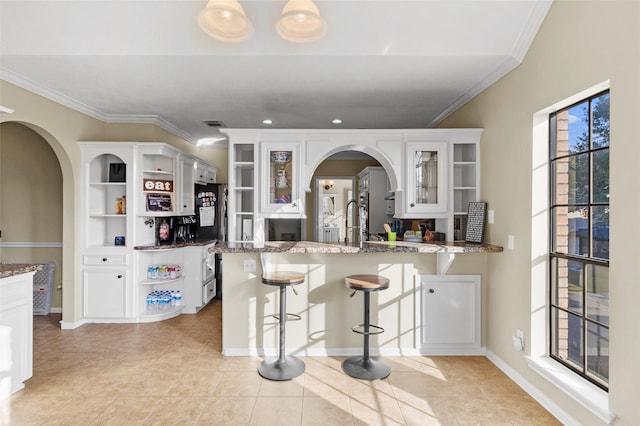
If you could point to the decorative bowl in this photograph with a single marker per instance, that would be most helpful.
(280, 156)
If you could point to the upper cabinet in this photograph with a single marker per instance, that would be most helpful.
(280, 190)
(107, 177)
(432, 174)
(426, 168)
(186, 171)
(157, 180)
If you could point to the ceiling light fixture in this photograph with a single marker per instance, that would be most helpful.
(225, 20)
(267, 121)
(337, 121)
(301, 22)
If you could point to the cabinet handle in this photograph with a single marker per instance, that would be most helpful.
(412, 204)
(293, 205)
(119, 276)
(184, 206)
(104, 259)
(431, 291)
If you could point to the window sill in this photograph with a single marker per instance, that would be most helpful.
(585, 393)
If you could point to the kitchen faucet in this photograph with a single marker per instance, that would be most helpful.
(346, 222)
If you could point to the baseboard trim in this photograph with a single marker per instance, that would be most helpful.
(533, 391)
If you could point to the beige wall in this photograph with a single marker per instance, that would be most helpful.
(31, 201)
(62, 127)
(579, 45)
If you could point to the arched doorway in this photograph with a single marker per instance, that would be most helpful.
(31, 200)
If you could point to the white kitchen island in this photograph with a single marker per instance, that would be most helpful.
(16, 326)
(327, 311)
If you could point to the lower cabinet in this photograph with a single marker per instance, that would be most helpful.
(449, 314)
(330, 234)
(16, 332)
(105, 293)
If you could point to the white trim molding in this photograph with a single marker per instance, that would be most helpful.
(31, 244)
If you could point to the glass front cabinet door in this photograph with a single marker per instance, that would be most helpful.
(280, 193)
(426, 177)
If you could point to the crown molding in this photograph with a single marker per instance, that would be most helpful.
(38, 89)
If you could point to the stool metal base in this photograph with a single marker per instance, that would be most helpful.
(366, 368)
(277, 369)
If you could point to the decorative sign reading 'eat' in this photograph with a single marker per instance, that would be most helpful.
(158, 185)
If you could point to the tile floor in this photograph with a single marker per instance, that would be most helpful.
(172, 373)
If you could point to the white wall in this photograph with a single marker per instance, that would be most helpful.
(579, 45)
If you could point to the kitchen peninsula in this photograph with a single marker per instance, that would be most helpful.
(424, 311)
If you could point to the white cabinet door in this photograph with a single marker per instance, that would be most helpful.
(450, 313)
(330, 235)
(280, 190)
(104, 293)
(186, 190)
(426, 169)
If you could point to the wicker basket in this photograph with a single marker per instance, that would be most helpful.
(43, 289)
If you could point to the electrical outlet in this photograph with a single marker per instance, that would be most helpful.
(491, 217)
(511, 242)
(518, 340)
(249, 265)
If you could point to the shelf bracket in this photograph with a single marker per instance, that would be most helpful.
(443, 262)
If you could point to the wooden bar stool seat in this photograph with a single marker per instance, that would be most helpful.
(283, 367)
(364, 366)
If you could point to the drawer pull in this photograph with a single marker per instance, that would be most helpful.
(104, 259)
(119, 276)
(431, 291)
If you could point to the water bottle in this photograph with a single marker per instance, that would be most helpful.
(149, 302)
(177, 298)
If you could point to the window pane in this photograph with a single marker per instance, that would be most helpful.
(571, 176)
(578, 128)
(598, 351)
(567, 337)
(568, 284)
(597, 287)
(600, 178)
(600, 232)
(571, 226)
(600, 123)
(426, 165)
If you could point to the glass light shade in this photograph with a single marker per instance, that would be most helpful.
(225, 20)
(301, 22)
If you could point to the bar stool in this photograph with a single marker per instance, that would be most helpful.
(363, 366)
(283, 367)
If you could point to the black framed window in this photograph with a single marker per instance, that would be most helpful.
(579, 238)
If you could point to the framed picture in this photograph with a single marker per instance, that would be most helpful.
(475, 222)
(329, 205)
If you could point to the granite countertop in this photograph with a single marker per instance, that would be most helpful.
(175, 246)
(10, 269)
(367, 247)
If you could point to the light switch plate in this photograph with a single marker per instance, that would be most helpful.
(490, 217)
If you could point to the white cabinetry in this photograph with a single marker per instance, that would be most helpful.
(204, 174)
(330, 234)
(16, 336)
(426, 168)
(106, 198)
(449, 314)
(105, 292)
(466, 179)
(157, 180)
(242, 194)
(186, 172)
(168, 277)
(200, 281)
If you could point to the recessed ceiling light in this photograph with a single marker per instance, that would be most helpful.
(337, 121)
(267, 121)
